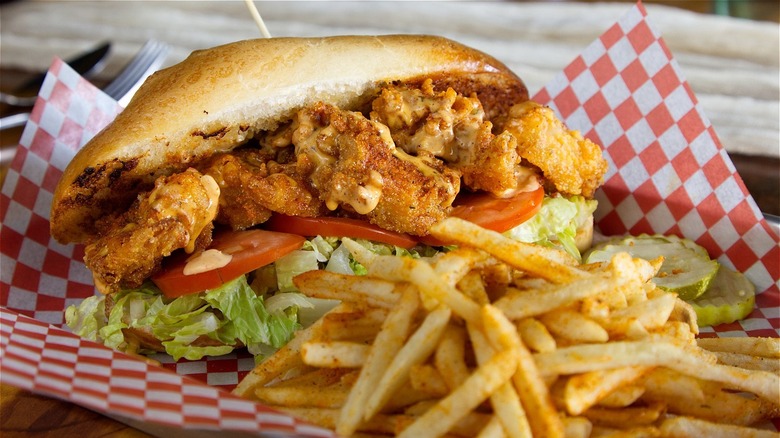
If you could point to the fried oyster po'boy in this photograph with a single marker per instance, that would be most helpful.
(243, 165)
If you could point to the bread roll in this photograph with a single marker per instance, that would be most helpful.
(218, 98)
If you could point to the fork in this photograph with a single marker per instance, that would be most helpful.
(123, 86)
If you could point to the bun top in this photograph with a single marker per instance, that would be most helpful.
(218, 98)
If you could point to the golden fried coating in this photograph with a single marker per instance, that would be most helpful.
(253, 186)
(334, 161)
(177, 213)
(453, 127)
(573, 164)
(355, 165)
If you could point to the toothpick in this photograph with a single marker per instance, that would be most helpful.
(258, 19)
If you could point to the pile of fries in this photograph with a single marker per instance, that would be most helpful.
(499, 338)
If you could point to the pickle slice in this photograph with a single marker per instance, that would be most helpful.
(731, 297)
(687, 269)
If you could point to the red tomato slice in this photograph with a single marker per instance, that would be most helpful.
(249, 250)
(338, 227)
(497, 214)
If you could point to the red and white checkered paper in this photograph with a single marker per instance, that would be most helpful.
(668, 174)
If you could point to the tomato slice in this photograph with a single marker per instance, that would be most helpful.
(248, 249)
(338, 227)
(497, 214)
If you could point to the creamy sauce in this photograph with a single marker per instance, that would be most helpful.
(363, 199)
(199, 223)
(207, 261)
(527, 181)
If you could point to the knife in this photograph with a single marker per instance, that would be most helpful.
(86, 64)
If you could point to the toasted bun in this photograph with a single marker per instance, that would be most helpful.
(218, 98)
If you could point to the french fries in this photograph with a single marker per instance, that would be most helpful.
(500, 339)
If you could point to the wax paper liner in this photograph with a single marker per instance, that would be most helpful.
(668, 174)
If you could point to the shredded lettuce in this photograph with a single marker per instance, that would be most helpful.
(229, 314)
(292, 264)
(262, 315)
(342, 262)
(88, 317)
(556, 223)
(323, 247)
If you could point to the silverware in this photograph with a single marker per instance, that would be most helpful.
(86, 64)
(148, 60)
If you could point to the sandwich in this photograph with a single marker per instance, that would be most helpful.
(245, 164)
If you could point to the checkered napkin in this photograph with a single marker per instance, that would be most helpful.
(668, 174)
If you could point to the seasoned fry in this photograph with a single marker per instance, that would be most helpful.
(692, 427)
(625, 417)
(303, 396)
(467, 427)
(750, 362)
(492, 430)
(449, 357)
(622, 396)
(634, 432)
(530, 387)
(319, 378)
(684, 313)
(334, 354)
(689, 396)
(535, 335)
(360, 325)
(286, 358)
(764, 347)
(359, 290)
(324, 417)
(421, 274)
(388, 341)
(420, 345)
(573, 326)
(505, 401)
(585, 390)
(500, 339)
(577, 427)
(454, 265)
(651, 314)
(478, 387)
(551, 264)
(426, 379)
(569, 360)
(518, 304)
(665, 384)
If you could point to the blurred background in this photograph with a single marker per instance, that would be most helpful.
(764, 10)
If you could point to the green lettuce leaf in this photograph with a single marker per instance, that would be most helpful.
(230, 314)
(556, 223)
(294, 263)
(88, 317)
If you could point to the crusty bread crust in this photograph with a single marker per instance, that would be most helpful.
(218, 98)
